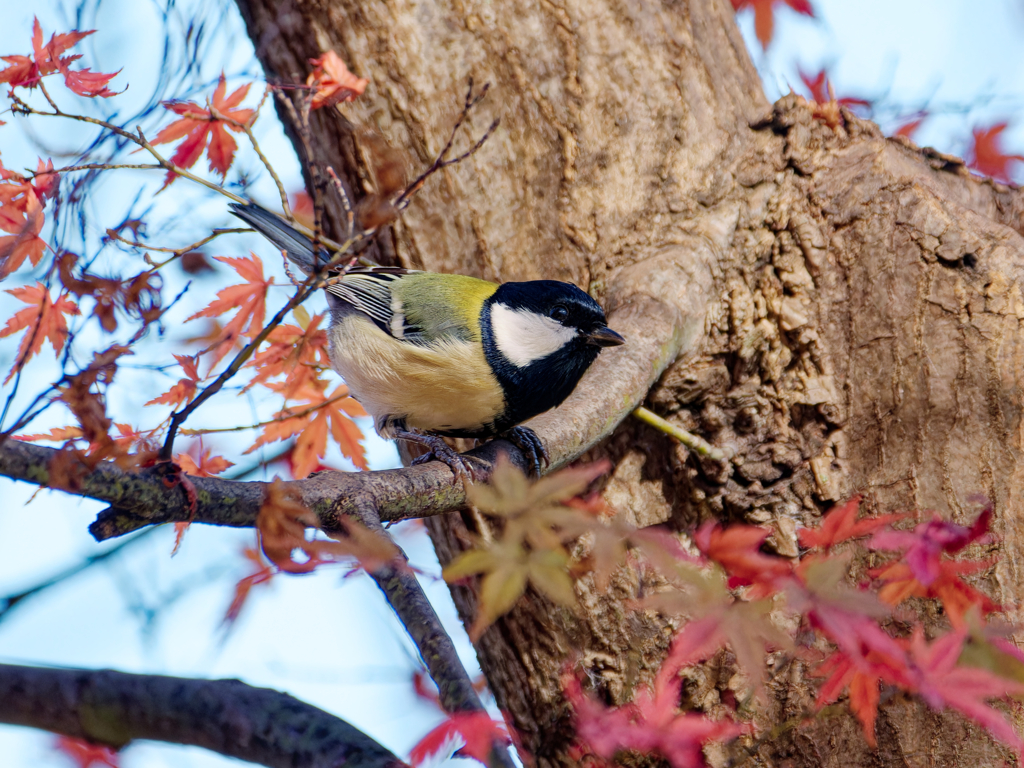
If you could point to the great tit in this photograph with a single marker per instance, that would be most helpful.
(430, 355)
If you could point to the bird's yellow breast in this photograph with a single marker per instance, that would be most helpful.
(444, 387)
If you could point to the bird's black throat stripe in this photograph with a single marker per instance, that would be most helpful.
(538, 387)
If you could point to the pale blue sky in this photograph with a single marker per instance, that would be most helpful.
(333, 643)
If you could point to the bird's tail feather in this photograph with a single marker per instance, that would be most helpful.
(277, 230)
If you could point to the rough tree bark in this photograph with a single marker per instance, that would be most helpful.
(858, 299)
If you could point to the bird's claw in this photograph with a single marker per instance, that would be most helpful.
(465, 467)
(526, 440)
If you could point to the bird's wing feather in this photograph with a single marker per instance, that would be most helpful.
(369, 291)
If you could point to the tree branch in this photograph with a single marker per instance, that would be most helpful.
(412, 606)
(226, 716)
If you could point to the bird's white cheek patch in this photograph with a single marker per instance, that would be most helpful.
(523, 337)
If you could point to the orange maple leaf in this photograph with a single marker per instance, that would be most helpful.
(987, 156)
(332, 416)
(56, 434)
(185, 389)
(249, 298)
(764, 15)
(206, 129)
(822, 92)
(296, 353)
(864, 683)
(207, 466)
(332, 82)
(42, 319)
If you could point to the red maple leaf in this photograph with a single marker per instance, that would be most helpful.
(85, 753)
(986, 154)
(957, 596)
(737, 550)
(332, 82)
(863, 683)
(651, 723)
(943, 684)
(479, 733)
(249, 298)
(840, 524)
(185, 389)
(42, 319)
(909, 128)
(926, 544)
(21, 214)
(26, 72)
(206, 129)
(764, 15)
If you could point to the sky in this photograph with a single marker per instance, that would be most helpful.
(324, 638)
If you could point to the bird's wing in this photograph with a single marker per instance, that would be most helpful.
(368, 290)
(417, 307)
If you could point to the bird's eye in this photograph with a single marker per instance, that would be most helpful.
(559, 313)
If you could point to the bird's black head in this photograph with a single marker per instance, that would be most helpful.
(540, 337)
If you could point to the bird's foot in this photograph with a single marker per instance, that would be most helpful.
(465, 467)
(526, 440)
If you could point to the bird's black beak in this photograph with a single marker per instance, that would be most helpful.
(604, 337)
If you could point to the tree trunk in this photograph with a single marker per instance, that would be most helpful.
(859, 300)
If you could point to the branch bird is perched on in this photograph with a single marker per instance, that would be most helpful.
(431, 355)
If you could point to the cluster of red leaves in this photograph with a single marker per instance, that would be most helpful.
(28, 71)
(332, 83)
(764, 15)
(987, 155)
(728, 599)
(650, 723)
(293, 358)
(206, 129)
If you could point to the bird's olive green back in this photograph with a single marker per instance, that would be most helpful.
(443, 305)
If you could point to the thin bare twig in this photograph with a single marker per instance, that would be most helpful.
(287, 417)
(246, 128)
(441, 161)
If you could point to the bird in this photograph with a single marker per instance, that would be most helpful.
(431, 355)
